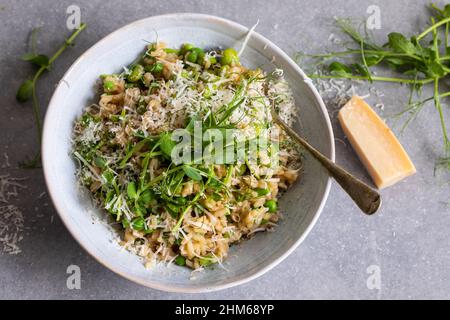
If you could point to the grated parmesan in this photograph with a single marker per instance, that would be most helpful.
(11, 218)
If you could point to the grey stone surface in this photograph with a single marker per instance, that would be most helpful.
(408, 239)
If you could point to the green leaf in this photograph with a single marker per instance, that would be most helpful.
(25, 91)
(339, 69)
(192, 173)
(100, 162)
(108, 176)
(131, 190)
(373, 59)
(394, 61)
(360, 69)
(447, 10)
(435, 69)
(177, 201)
(138, 224)
(262, 191)
(146, 197)
(173, 209)
(399, 43)
(166, 144)
(40, 60)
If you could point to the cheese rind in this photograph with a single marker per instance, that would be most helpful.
(376, 145)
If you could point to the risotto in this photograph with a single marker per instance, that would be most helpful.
(187, 212)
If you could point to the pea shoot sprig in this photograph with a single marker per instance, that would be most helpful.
(27, 89)
(423, 59)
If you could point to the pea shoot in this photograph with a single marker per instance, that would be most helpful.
(418, 61)
(27, 89)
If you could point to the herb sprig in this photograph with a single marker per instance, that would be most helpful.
(423, 59)
(27, 89)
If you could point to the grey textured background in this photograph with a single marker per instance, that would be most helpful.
(408, 239)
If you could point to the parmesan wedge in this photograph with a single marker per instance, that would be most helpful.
(376, 145)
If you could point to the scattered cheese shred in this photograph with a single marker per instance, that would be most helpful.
(11, 228)
(247, 37)
(11, 218)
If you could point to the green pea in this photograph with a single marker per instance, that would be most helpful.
(262, 191)
(271, 205)
(180, 260)
(200, 54)
(212, 60)
(109, 86)
(136, 73)
(192, 56)
(229, 57)
(185, 48)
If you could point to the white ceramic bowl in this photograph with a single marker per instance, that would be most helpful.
(301, 205)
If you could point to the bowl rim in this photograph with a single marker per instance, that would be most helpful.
(46, 149)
